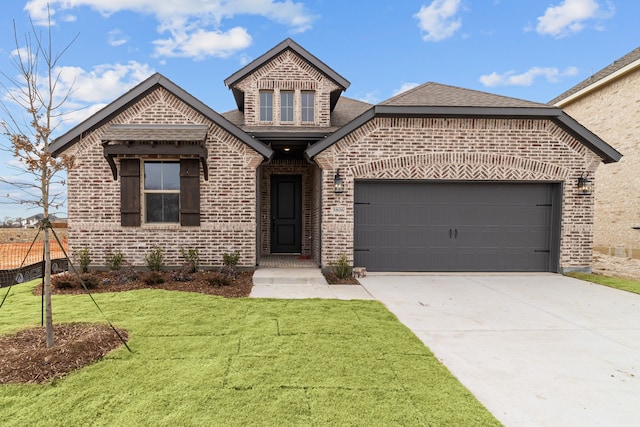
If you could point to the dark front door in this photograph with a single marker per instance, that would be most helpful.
(286, 213)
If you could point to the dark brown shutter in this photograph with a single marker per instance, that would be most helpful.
(130, 192)
(190, 192)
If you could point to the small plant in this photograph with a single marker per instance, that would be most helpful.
(182, 275)
(90, 280)
(154, 259)
(229, 263)
(153, 278)
(341, 268)
(114, 260)
(213, 278)
(125, 275)
(82, 257)
(64, 280)
(231, 260)
(191, 257)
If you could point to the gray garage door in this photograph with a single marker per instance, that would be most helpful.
(468, 226)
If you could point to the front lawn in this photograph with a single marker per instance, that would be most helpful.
(205, 360)
(629, 285)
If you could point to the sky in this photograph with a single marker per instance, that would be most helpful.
(528, 49)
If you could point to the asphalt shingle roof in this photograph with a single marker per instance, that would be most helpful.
(619, 64)
(439, 95)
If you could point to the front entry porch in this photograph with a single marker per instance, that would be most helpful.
(289, 214)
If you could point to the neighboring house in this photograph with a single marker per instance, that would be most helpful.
(33, 221)
(437, 178)
(608, 103)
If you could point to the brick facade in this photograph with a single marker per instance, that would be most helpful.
(612, 112)
(287, 72)
(235, 202)
(459, 149)
(228, 220)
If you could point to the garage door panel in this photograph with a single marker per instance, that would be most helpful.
(437, 226)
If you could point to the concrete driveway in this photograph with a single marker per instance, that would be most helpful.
(536, 350)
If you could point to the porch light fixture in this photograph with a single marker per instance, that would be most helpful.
(338, 183)
(585, 185)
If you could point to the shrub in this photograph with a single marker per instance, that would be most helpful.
(153, 278)
(64, 280)
(125, 275)
(83, 258)
(182, 275)
(90, 280)
(154, 259)
(213, 278)
(191, 257)
(231, 260)
(341, 268)
(114, 260)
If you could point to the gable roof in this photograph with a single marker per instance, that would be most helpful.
(288, 43)
(440, 95)
(618, 68)
(65, 141)
(437, 100)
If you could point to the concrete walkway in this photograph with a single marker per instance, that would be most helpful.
(536, 350)
(296, 283)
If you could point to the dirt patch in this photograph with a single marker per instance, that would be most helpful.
(25, 358)
(26, 235)
(333, 279)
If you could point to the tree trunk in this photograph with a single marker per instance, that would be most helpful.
(47, 287)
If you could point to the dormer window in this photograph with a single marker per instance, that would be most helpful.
(286, 106)
(266, 106)
(307, 107)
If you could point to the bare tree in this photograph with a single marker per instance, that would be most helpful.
(33, 108)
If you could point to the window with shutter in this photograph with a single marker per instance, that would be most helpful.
(170, 192)
(130, 192)
(190, 192)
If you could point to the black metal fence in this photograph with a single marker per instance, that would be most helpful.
(26, 273)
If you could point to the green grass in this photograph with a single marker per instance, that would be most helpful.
(202, 360)
(628, 285)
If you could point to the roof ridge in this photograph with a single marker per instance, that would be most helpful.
(600, 75)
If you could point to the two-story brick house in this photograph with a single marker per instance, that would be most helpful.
(438, 178)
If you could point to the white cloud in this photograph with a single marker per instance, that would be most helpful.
(102, 83)
(510, 78)
(405, 87)
(438, 21)
(570, 16)
(117, 38)
(200, 43)
(194, 26)
(370, 97)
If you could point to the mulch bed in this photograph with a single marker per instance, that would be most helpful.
(239, 286)
(25, 358)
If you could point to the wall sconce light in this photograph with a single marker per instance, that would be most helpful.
(338, 183)
(585, 185)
